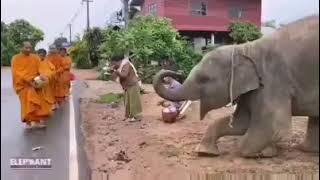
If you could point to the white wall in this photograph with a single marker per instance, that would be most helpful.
(199, 42)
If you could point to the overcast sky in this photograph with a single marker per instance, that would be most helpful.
(52, 16)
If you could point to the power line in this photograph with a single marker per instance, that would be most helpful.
(76, 14)
(74, 17)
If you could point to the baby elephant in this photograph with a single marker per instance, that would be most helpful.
(273, 78)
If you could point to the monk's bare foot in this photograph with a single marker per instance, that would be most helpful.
(41, 124)
(28, 126)
(31, 125)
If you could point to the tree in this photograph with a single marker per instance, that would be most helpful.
(115, 18)
(149, 39)
(133, 11)
(94, 39)
(6, 46)
(242, 32)
(12, 36)
(21, 30)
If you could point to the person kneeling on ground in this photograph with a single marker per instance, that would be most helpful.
(125, 72)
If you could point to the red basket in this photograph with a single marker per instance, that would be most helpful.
(169, 117)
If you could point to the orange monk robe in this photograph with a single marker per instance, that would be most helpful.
(59, 91)
(66, 76)
(33, 105)
(46, 68)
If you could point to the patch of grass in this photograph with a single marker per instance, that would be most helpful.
(110, 98)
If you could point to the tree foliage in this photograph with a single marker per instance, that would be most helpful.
(21, 30)
(149, 39)
(94, 39)
(79, 54)
(14, 34)
(242, 32)
(85, 51)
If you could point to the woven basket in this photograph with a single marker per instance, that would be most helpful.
(169, 115)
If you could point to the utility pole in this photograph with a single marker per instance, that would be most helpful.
(70, 32)
(88, 13)
(125, 12)
(88, 22)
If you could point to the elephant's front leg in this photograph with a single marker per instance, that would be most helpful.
(220, 127)
(270, 120)
(311, 142)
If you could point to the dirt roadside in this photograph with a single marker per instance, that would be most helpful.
(147, 149)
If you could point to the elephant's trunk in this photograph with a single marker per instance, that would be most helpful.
(166, 93)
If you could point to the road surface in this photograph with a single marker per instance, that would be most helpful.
(56, 139)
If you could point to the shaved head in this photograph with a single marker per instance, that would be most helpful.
(53, 49)
(26, 48)
(26, 43)
(63, 52)
(42, 53)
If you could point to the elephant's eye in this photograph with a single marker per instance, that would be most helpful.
(203, 78)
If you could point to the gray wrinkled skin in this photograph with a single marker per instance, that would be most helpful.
(275, 78)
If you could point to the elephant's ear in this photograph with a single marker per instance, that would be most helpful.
(246, 75)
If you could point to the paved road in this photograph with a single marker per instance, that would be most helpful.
(17, 142)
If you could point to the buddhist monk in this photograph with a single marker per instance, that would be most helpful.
(57, 61)
(47, 69)
(25, 71)
(67, 62)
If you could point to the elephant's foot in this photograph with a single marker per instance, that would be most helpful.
(311, 142)
(207, 150)
(307, 147)
(268, 152)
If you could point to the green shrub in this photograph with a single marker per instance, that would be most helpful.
(242, 32)
(110, 98)
(79, 54)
